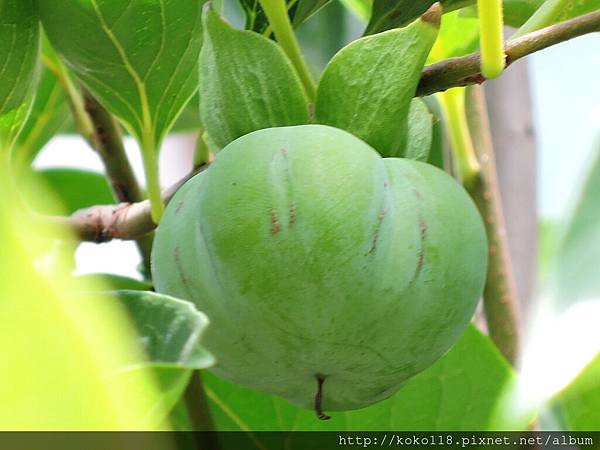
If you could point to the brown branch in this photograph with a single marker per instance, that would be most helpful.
(103, 223)
(107, 140)
(466, 70)
(500, 294)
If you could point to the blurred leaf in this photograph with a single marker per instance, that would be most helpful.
(554, 11)
(49, 114)
(189, 120)
(323, 36)
(459, 392)
(579, 402)
(367, 87)
(458, 36)
(360, 8)
(74, 188)
(575, 273)
(388, 14)
(305, 9)
(61, 352)
(516, 12)
(298, 11)
(247, 83)
(114, 282)
(19, 35)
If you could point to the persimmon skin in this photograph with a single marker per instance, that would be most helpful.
(316, 258)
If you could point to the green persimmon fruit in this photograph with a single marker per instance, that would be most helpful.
(330, 275)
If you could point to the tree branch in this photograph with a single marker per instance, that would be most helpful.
(103, 223)
(466, 70)
(500, 294)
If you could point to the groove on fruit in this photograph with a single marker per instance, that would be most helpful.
(319, 399)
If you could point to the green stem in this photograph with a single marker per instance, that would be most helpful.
(150, 158)
(453, 105)
(551, 12)
(491, 31)
(279, 20)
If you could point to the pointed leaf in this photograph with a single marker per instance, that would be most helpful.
(19, 38)
(247, 83)
(139, 58)
(367, 87)
(459, 392)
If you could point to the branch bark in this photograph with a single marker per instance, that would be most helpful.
(103, 223)
(500, 298)
(466, 70)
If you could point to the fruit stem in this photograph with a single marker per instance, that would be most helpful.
(491, 31)
(276, 11)
(319, 399)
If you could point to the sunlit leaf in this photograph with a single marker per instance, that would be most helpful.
(578, 404)
(62, 351)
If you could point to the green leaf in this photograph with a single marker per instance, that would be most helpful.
(579, 402)
(247, 83)
(554, 11)
(298, 11)
(138, 58)
(420, 131)
(367, 87)
(74, 188)
(459, 392)
(20, 38)
(49, 114)
(170, 331)
(388, 14)
(436, 154)
(575, 275)
(61, 353)
(458, 36)
(305, 9)
(516, 12)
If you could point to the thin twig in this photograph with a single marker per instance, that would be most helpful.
(500, 294)
(466, 70)
(103, 223)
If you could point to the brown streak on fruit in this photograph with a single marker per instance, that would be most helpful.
(275, 225)
(380, 218)
(178, 208)
(184, 281)
(421, 251)
(319, 399)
